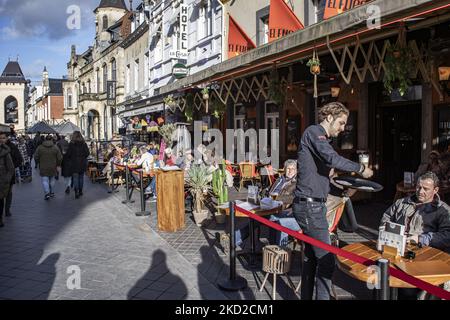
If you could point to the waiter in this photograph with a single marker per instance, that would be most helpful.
(316, 157)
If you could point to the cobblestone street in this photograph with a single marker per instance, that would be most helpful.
(122, 256)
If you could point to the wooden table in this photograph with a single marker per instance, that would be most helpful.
(260, 212)
(369, 250)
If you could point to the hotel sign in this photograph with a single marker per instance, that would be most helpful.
(182, 52)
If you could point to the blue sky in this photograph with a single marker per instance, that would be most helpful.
(37, 32)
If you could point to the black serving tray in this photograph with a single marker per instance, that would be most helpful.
(354, 182)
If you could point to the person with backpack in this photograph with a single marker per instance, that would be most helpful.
(6, 173)
(77, 154)
(49, 159)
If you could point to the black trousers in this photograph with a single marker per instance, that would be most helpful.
(8, 200)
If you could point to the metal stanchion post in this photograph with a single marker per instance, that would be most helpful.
(142, 212)
(233, 283)
(383, 267)
(112, 178)
(127, 188)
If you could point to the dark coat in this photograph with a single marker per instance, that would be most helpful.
(49, 158)
(16, 157)
(77, 154)
(7, 171)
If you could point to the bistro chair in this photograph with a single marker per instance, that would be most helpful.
(248, 173)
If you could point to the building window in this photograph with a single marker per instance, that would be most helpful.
(127, 79)
(105, 22)
(69, 98)
(98, 80)
(159, 49)
(105, 77)
(89, 86)
(11, 110)
(136, 75)
(319, 10)
(203, 28)
(113, 70)
(83, 88)
(146, 68)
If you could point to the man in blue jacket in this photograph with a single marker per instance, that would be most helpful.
(316, 157)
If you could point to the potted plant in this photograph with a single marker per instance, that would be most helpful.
(167, 131)
(218, 108)
(205, 93)
(314, 65)
(169, 100)
(397, 64)
(197, 182)
(189, 108)
(275, 88)
(220, 190)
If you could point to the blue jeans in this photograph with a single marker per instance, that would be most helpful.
(151, 187)
(48, 183)
(318, 264)
(287, 220)
(78, 181)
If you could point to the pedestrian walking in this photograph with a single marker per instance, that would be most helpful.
(316, 158)
(63, 146)
(77, 154)
(6, 173)
(37, 141)
(49, 158)
(25, 168)
(17, 161)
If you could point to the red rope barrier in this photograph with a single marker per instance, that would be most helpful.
(434, 290)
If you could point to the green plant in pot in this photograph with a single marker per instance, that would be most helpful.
(189, 108)
(314, 65)
(220, 190)
(169, 100)
(167, 133)
(275, 89)
(198, 184)
(218, 108)
(397, 64)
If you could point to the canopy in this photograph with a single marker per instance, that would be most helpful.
(41, 127)
(4, 128)
(67, 128)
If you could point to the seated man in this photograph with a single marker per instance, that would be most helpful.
(336, 197)
(425, 217)
(283, 188)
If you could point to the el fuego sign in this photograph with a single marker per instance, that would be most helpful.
(183, 41)
(334, 7)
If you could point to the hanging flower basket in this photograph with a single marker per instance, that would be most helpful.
(205, 93)
(314, 65)
(397, 64)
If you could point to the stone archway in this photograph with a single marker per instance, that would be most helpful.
(11, 110)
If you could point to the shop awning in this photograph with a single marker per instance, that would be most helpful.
(144, 110)
(282, 20)
(333, 7)
(347, 22)
(238, 41)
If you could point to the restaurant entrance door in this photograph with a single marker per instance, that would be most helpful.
(398, 135)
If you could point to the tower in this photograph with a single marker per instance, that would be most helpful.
(106, 15)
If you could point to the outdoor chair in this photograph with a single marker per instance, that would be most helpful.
(248, 173)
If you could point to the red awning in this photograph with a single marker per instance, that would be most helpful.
(238, 41)
(282, 20)
(334, 7)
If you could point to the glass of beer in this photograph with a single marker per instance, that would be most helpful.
(274, 195)
(364, 159)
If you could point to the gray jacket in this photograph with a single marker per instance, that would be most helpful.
(431, 221)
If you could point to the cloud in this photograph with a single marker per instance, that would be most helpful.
(43, 18)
